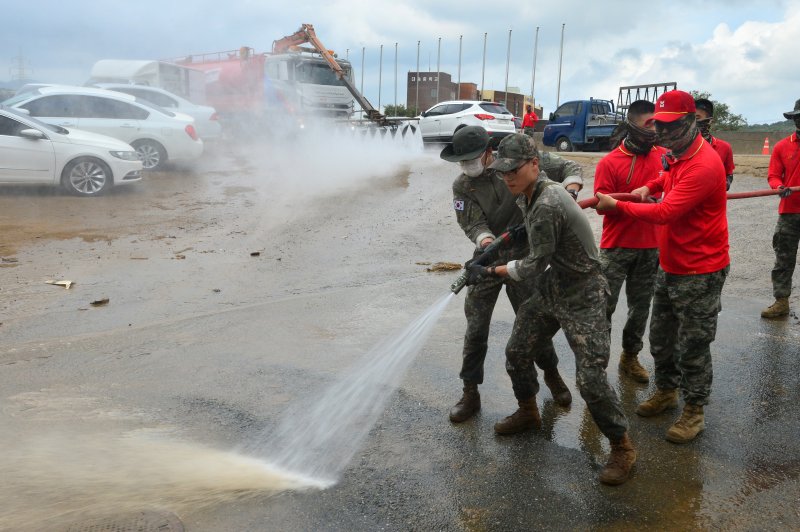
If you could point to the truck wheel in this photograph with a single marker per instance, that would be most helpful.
(564, 144)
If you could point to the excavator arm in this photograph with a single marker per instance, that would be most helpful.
(306, 35)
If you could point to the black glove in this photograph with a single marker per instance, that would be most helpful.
(476, 273)
(785, 192)
(729, 179)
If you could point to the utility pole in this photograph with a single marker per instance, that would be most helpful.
(533, 75)
(363, 51)
(416, 98)
(438, 67)
(560, 57)
(380, 78)
(508, 62)
(395, 77)
(483, 68)
(19, 67)
(458, 90)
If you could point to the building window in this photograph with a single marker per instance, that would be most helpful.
(413, 78)
(433, 93)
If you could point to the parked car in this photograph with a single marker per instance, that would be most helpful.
(156, 134)
(206, 120)
(440, 122)
(85, 164)
(518, 123)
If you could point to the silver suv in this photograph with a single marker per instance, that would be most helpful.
(440, 122)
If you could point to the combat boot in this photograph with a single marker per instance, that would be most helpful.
(526, 417)
(468, 405)
(559, 390)
(620, 462)
(660, 401)
(629, 365)
(777, 309)
(689, 425)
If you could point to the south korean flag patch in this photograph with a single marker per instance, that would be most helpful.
(458, 204)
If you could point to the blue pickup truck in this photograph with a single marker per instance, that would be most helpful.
(581, 125)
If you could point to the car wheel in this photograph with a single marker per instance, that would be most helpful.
(563, 144)
(86, 177)
(151, 153)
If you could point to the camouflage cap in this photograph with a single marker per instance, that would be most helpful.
(513, 151)
(468, 143)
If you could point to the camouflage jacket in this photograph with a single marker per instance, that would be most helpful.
(559, 235)
(485, 207)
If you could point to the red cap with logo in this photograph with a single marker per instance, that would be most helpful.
(673, 105)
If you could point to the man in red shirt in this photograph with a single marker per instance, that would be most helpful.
(784, 172)
(705, 116)
(694, 262)
(628, 247)
(529, 121)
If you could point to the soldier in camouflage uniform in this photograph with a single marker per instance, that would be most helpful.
(484, 209)
(784, 173)
(628, 247)
(694, 262)
(569, 292)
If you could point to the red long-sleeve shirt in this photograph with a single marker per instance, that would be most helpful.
(622, 171)
(529, 120)
(692, 217)
(725, 153)
(784, 169)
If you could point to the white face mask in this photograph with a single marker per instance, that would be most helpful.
(472, 168)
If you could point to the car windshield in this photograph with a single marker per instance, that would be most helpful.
(316, 73)
(495, 108)
(35, 121)
(153, 106)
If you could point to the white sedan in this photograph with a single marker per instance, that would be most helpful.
(85, 164)
(155, 133)
(206, 119)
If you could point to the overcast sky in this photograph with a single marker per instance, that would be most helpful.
(743, 52)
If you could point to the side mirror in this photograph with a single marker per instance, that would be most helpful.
(423, 115)
(32, 134)
(552, 116)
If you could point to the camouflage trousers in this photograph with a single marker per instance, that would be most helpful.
(637, 268)
(478, 308)
(528, 131)
(682, 327)
(578, 305)
(784, 242)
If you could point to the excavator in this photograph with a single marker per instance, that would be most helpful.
(306, 35)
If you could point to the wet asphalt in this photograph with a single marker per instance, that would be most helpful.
(216, 344)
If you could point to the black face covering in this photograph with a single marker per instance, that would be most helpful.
(639, 140)
(704, 126)
(677, 136)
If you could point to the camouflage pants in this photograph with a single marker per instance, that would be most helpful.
(784, 242)
(478, 308)
(528, 131)
(637, 268)
(578, 305)
(683, 325)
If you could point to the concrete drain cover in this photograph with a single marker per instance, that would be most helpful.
(137, 522)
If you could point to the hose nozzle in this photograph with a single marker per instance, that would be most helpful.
(459, 283)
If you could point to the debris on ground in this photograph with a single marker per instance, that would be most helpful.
(216, 290)
(423, 263)
(99, 302)
(65, 284)
(179, 256)
(255, 253)
(444, 267)
(10, 259)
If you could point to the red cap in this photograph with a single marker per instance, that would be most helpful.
(673, 105)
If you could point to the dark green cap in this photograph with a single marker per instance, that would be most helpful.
(791, 115)
(468, 144)
(513, 151)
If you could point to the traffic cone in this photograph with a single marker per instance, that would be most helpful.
(765, 149)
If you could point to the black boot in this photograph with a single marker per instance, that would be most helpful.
(468, 405)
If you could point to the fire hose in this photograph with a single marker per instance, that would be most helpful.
(490, 252)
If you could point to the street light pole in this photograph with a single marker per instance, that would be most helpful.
(458, 90)
(438, 67)
(483, 68)
(533, 75)
(508, 63)
(560, 58)
(416, 98)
